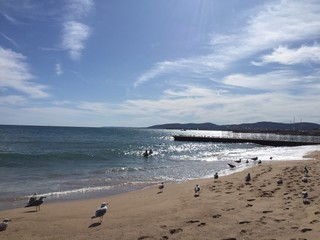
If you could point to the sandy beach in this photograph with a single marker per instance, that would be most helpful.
(227, 208)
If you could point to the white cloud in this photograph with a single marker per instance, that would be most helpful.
(12, 100)
(286, 56)
(273, 24)
(74, 36)
(75, 33)
(15, 74)
(77, 9)
(58, 68)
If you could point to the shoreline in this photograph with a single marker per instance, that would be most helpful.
(227, 208)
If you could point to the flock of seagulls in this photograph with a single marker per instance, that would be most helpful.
(255, 159)
(35, 201)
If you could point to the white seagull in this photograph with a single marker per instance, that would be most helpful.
(197, 190)
(101, 212)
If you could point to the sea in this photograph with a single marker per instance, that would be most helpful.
(69, 163)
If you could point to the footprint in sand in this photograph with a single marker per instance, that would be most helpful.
(175, 230)
(251, 199)
(193, 221)
(267, 211)
(306, 230)
(202, 224)
(244, 222)
(314, 221)
(216, 216)
(145, 237)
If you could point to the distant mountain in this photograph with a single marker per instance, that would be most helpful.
(245, 127)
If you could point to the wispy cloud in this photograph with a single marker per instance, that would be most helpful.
(15, 74)
(10, 40)
(78, 9)
(272, 25)
(9, 18)
(284, 55)
(59, 71)
(75, 33)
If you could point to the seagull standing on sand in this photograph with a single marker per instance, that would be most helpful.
(197, 190)
(216, 176)
(4, 224)
(161, 187)
(101, 212)
(36, 203)
(247, 178)
(280, 181)
(304, 179)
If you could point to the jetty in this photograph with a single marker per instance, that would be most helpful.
(267, 142)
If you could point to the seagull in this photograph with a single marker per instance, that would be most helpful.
(304, 194)
(101, 211)
(259, 161)
(306, 169)
(254, 158)
(36, 203)
(196, 190)
(231, 165)
(32, 198)
(280, 181)
(304, 179)
(4, 224)
(238, 161)
(247, 178)
(161, 187)
(216, 176)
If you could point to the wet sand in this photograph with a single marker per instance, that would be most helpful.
(227, 208)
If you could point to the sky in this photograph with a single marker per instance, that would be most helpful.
(145, 62)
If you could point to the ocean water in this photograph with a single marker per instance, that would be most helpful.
(65, 163)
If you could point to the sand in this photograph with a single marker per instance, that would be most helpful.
(226, 208)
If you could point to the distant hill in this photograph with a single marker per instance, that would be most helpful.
(245, 127)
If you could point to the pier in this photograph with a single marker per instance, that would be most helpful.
(267, 142)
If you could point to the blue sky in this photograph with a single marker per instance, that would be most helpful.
(146, 62)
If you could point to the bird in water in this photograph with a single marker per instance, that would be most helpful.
(238, 161)
(101, 212)
(231, 165)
